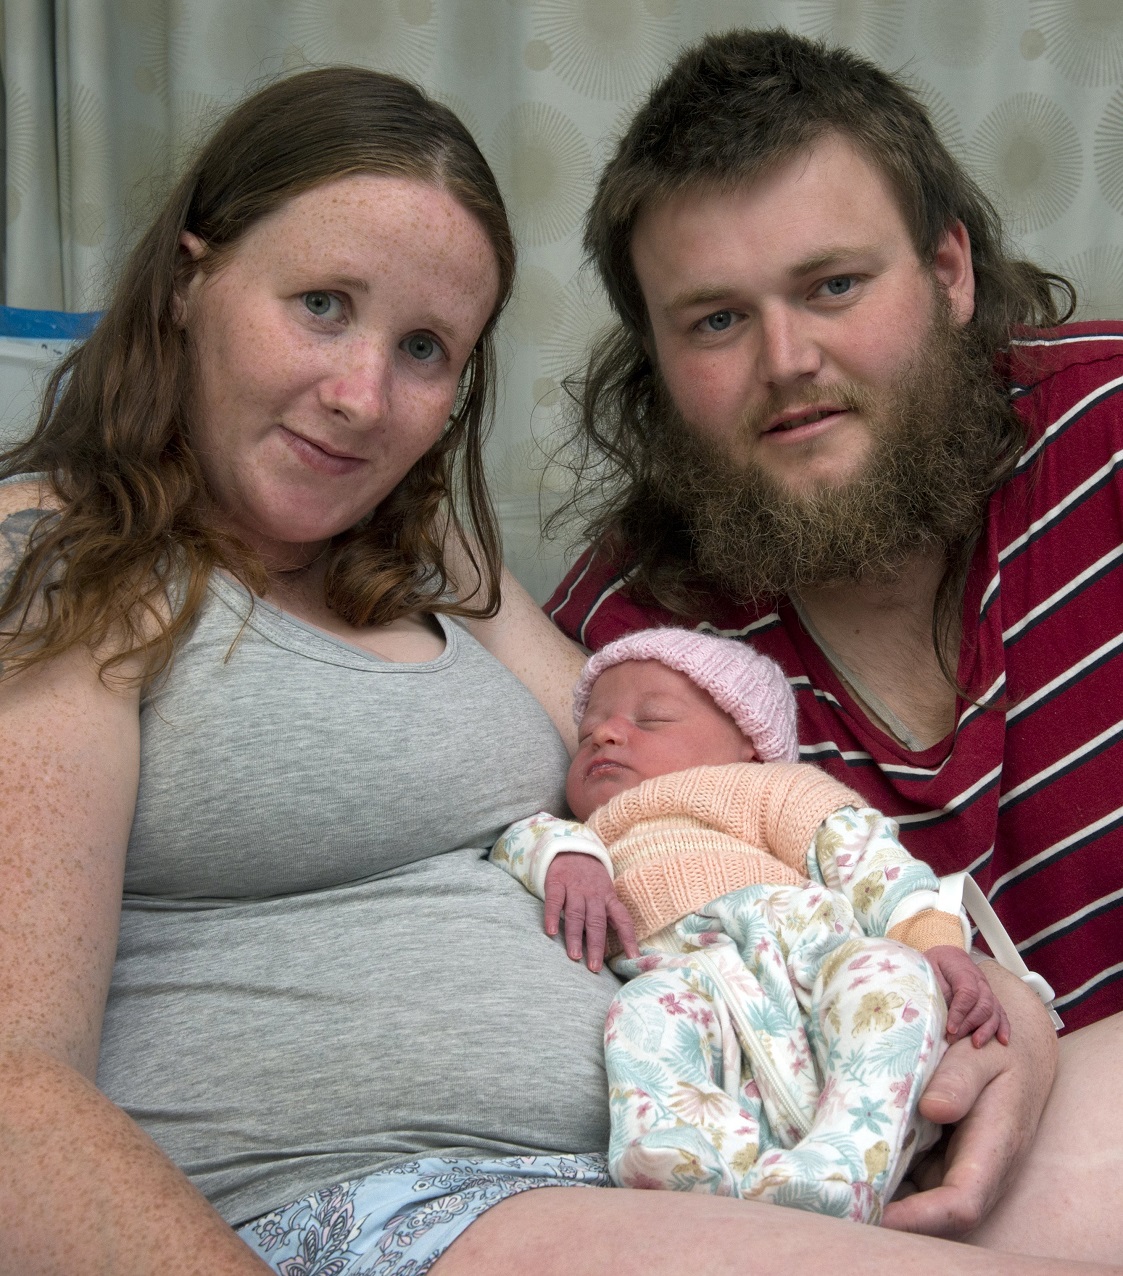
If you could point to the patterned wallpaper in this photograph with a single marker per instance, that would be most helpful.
(1028, 93)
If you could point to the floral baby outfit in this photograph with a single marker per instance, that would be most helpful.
(776, 1033)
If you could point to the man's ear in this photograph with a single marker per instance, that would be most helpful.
(954, 270)
(191, 246)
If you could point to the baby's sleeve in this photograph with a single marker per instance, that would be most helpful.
(856, 851)
(527, 849)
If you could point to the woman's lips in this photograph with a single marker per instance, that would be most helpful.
(318, 457)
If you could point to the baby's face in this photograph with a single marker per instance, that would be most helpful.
(645, 720)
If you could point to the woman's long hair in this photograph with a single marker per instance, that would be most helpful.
(123, 565)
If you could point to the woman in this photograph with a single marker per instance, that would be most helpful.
(233, 696)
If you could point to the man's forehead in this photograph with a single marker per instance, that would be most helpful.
(822, 208)
(782, 169)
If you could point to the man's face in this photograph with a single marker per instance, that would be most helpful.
(785, 314)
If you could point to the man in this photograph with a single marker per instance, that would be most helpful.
(838, 421)
(816, 456)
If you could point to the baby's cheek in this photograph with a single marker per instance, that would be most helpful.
(575, 791)
(585, 795)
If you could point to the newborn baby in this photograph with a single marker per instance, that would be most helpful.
(780, 1022)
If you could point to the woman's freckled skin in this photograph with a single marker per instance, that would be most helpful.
(52, 793)
(310, 414)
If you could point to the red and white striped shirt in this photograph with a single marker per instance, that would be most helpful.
(1030, 799)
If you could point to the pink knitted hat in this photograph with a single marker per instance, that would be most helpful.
(751, 688)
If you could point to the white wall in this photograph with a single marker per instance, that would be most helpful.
(25, 364)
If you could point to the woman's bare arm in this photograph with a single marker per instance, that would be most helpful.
(82, 1189)
(526, 641)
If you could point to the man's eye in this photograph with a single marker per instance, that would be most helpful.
(424, 349)
(321, 304)
(839, 285)
(719, 321)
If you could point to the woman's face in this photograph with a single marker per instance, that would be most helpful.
(328, 350)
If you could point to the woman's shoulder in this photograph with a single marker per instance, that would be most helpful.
(26, 494)
(23, 502)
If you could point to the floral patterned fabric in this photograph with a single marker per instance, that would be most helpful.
(766, 1048)
(775, 1043)
(398, 1222)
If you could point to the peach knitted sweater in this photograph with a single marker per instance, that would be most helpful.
(681, 840)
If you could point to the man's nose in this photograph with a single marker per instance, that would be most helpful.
(787, 351)
(357, 385)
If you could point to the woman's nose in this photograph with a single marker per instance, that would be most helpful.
(357, 387)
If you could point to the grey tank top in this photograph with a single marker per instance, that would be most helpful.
(318, 971)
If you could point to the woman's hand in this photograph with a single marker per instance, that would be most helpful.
(579, 886)
(996, 1096)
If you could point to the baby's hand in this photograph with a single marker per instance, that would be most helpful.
(580, 885)
(973, 1009)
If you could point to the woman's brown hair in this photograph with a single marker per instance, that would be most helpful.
(127, 557)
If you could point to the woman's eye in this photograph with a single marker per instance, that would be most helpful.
(424, 349)
(719, 321)
(324, 305)
(839, 286)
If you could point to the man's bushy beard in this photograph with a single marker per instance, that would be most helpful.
(940, 437)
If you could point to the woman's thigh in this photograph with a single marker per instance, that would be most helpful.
(589, 1231)
(1067, 1199)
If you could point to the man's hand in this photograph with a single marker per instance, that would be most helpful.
(996, 1095)
(579, 886)
(973, 1009)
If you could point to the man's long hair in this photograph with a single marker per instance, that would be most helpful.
(128, 556)
(732, 108)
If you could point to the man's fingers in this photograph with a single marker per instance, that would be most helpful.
(944, 1211)
(996, 1095)
(956, 1192)
(962, 1075)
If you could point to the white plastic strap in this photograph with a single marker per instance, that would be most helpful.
(961, 889)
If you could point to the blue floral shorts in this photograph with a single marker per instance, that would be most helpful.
(398, 1222)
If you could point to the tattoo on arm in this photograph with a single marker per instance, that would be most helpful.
(15, 537)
